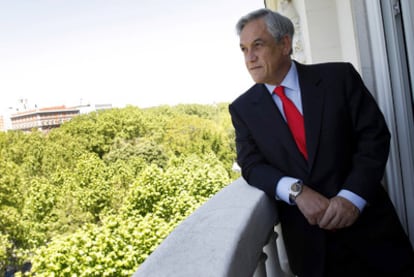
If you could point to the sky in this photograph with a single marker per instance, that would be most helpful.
(121, 52)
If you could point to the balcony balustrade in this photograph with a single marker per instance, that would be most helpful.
(231, 235)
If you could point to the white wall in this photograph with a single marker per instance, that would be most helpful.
(326, 28)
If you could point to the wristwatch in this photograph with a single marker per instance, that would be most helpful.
(294, 190)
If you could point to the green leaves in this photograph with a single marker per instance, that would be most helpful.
(5, 246)
(96, 196)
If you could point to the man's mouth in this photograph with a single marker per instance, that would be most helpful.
(254, 67)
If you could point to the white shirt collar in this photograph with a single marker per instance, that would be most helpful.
(290, 81)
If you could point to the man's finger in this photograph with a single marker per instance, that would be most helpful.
(328, 218)
(339, 214)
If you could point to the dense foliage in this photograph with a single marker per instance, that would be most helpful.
(96, 196)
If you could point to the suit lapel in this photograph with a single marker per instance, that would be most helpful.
(270, 115)
(312, 93)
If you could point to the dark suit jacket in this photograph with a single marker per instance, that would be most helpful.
(347, 142)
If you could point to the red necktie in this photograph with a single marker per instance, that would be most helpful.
(294, 120)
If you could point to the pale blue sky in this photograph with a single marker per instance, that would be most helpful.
(141, 52)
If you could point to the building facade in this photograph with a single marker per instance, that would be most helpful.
(2, 124)
(42, 119)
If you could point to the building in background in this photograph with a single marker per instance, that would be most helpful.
(375, 36)
(44, 119)
(5, 123)
(2, 124)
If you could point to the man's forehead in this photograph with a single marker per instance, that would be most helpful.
(260, 37)
(249, 42)
(253, 31)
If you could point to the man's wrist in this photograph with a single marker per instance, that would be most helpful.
(282, 188)
(295, 190)
(354, 198)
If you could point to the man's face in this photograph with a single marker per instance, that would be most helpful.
(266, 60)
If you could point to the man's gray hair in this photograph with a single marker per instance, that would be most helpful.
(277, 24)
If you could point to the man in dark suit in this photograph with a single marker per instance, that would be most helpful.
(322, 158)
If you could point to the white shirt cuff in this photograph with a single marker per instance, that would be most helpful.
(282, 188)
(357, 200)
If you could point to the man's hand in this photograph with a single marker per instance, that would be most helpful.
(312, 205)
(339, 214)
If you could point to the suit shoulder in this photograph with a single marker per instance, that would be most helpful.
(328, 68)
(247, 95)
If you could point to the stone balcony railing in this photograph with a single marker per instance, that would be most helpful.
(231, 235)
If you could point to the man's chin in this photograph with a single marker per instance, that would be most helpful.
(256, 78)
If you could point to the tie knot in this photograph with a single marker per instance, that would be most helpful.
(280, 91)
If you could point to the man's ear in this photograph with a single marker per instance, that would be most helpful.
(287, 45)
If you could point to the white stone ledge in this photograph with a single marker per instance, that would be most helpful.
(224, 237)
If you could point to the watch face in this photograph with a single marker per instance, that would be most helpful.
(295, 187)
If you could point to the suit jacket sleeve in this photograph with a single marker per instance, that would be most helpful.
(371, 139)
(255, 168)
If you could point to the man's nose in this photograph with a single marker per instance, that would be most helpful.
(251, 56)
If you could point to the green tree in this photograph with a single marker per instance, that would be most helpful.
(5, 246)
(97, 195)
